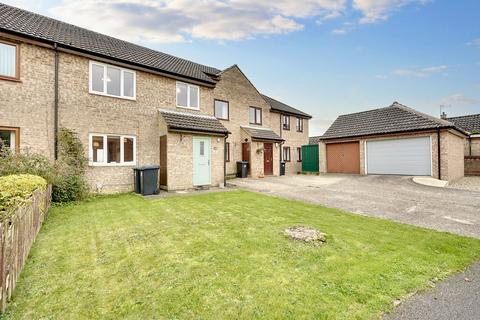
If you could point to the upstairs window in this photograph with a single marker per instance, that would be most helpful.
(255, 115)
(9, 61)
(221, 109)
(107, 149)
(188, 96)
(112, 81)
(286, 122)
(299, 125)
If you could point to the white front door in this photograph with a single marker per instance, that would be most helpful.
(201, 161)
(409, 156)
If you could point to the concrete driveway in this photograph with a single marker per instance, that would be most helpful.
(391, 197)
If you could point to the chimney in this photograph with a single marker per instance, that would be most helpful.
(443, 115)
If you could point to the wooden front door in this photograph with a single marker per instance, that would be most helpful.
(163, 160)
(343, 157)
(246, 153)
(268, 158)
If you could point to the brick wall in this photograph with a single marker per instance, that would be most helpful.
(472, 147)
(28, 104)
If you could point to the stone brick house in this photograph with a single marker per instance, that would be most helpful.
(393, 140)
(131, 106)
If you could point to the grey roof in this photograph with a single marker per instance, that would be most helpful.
(282, 107)
(314, 140)
(46, 29)
(395, 118)
(262, 134)
(186, 121)
(470, 123)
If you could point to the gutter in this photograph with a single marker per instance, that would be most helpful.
(55, 103)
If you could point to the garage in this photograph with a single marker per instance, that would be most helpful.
(412, 156)
(343, 157)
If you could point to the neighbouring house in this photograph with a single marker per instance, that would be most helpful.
(394, 140)
(131, 106)
(471, 125)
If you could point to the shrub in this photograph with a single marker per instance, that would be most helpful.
(35, 164)
(70, 184)
(16, 189)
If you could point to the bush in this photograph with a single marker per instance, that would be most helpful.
(70, 184)
(33, 164)
(16, 189)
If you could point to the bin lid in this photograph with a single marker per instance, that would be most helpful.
(242, 162)
(147, 167)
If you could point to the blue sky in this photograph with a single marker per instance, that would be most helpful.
(326, 57)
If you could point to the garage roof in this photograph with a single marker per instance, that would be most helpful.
(185, 121)
(392, 119)
(262, 134)
(49, 30)
(470, 123)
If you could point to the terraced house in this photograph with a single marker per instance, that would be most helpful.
(131, 106)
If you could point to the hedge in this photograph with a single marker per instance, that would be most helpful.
(17, 189)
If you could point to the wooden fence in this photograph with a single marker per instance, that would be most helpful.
(17, 235)
(472, 166)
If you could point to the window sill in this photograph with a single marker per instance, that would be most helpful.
(299, 160)
(10, 79)
(112, 96)
(189, 108)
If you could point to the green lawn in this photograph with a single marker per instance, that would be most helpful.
(224, 256)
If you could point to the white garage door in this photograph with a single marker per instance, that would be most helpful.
(410, 156)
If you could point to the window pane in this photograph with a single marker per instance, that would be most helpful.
(97, 78)
(258, 116)
(113, 144)
(252, 115)
(227, 151)
(7, 140)
(182, 95)
(8, 60)
(128, 149)
(202, 148)
(221, 109)
(98, 150)
(193, 97)
(128, 84)
(113, 81)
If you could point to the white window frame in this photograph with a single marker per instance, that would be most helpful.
(188, 95)
(104, 93)
(215, 109)
(105, 153)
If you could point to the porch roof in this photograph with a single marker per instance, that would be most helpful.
(264, 134)
(195, 122)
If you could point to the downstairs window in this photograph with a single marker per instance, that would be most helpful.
(108, 149)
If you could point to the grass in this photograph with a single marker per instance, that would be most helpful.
(224, 256)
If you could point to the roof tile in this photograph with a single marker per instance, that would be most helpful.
(192, 122)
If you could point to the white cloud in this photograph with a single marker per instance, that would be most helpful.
(181, 20)
(421, 72)
(474, 42)
(380, 10)
(459, 99)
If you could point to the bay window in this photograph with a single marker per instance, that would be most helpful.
(112, 81)
(9, 61)
(188, 96)
(110, 149)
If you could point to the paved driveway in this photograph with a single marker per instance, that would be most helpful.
(391, 197)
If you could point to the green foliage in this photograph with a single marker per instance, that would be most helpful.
(35, 164)
(67, 175)
(71, 164)
(16, 189)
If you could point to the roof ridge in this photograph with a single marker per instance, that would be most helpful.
(300, 112)
(439, 121)
(465, 116)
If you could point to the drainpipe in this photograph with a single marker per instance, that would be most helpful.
(281, 151)
(55, 106)
(225, 160)
(438, 155)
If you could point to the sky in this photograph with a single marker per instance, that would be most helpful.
(325, 57)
